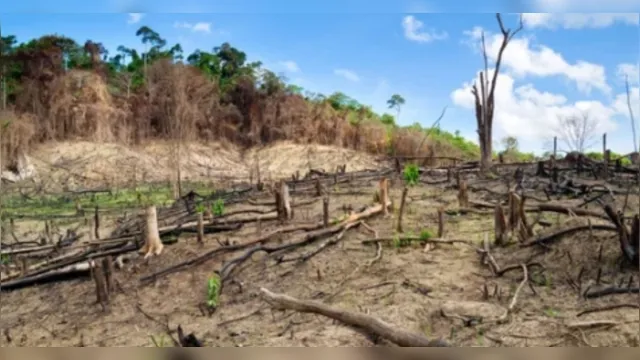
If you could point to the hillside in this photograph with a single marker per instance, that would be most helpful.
(85, 164)
(58, 91)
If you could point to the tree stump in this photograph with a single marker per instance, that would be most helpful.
(500, 225)
(384, 195)
(152, 245)
(463, 195)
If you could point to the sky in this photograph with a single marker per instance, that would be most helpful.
(561, 65)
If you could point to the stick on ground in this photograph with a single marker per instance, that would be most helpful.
(367, 323)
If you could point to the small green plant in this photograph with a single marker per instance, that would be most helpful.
(213, 291)
(399, 242)
(200, 208)
(5, 259)
(452, 333)
(426, 329)
(159, 341)
(550, 312)
(411, 174)
(218, 207)
(480, 337)
(425, 235)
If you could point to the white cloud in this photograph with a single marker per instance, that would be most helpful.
(347, 74)
(290, 66)
(414, 31)
(522, 58)
(629, 71)
(533, 115)
(577, 20)
(135, 18)
(203, 27)
(588, 6)
(621, 106)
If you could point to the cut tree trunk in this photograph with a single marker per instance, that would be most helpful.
(384, 194)
(153, 245)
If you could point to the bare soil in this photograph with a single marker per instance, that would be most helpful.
(81, 164)
(434, 289)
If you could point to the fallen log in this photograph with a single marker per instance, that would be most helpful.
(48, 269)
(83, 267)
(367, 323)
(212, 253)
(550, 208)
(543, 240)
(167, 230)
(318, 232)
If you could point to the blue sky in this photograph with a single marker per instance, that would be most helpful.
(559, 66)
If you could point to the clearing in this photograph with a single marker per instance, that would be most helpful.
(458, 286)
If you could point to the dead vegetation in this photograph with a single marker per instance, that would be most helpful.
(561, 271)
(183, 106)
(401, 253)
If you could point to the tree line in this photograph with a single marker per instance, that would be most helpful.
(56, 88)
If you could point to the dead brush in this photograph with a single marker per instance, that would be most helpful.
(81, 106)
(180, 103)
(18, 133)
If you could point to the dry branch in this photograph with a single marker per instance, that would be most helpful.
(212, 253)
(440, 221)
(543, 240)
(403, 200)
(514, 299)
(305, 239)
(367, 323)
(417, 239)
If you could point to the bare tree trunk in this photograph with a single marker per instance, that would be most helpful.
(484, 97)
(486, 148)
(3, 80)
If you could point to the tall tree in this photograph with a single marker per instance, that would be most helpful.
(94, 50)
(150, 37)
(485, 100)
(3, 71)
(208, 63)
(396, 102)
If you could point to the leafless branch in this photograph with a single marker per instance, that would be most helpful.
(633, 121)
(577, 131)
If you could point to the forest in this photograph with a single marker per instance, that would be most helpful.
(55, 88)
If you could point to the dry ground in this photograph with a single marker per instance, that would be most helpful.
(436, 292)
(86, 164)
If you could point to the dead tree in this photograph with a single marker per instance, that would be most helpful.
(485, 100)
(577, 131)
